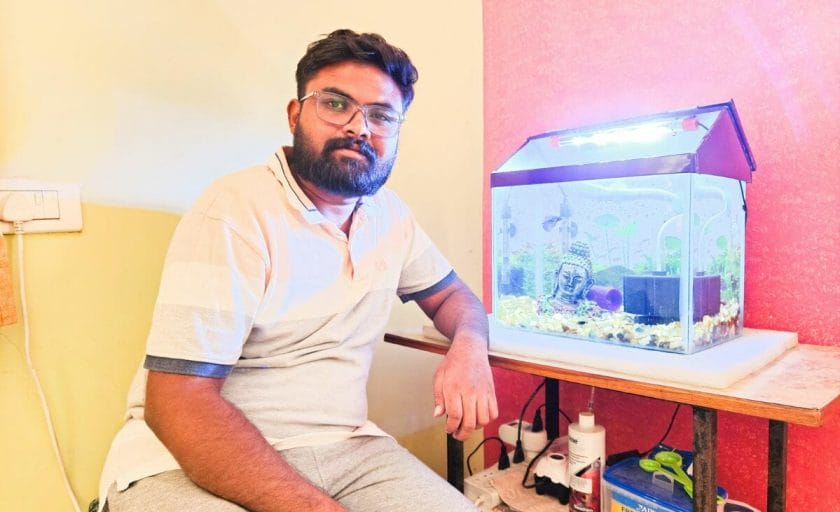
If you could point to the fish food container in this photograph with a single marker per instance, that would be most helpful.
(629, 233)
(628, 488)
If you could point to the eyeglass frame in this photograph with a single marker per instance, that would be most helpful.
(359, 108)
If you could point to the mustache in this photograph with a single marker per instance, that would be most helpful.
(359, 145)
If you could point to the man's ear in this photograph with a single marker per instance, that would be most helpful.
(293, 112)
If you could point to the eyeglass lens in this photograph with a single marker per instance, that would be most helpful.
(337, 109)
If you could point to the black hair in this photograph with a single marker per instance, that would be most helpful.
(346, 45)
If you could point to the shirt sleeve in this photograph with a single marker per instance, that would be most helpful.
(212, 284)
(426, 270)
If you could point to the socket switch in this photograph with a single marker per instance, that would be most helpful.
(57, 206)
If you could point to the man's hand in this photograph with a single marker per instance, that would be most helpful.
(463, 388)
(463, 383)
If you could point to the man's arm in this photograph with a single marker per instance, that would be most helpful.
(221, 451)
(463, 383)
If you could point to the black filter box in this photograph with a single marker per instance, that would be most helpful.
(656, 297)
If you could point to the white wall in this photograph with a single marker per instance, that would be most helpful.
(144, 103)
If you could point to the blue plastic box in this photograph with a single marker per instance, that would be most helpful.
(628, 488)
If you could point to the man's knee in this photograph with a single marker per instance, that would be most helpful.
(171, 491)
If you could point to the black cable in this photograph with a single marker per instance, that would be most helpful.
(469, 468)
(615, 458)
(668, 431)
(568, 419)
(743, 200)
(504, 461)
(519, 452)
(542, 452)
(561, 411)
(537, 424)
(531, 464)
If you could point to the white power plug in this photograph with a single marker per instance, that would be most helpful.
(17, 208)
(50, 207)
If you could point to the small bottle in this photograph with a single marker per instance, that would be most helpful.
(587, 447)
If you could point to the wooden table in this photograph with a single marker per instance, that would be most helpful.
(800, 387)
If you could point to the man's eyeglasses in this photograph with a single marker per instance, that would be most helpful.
(337, 109)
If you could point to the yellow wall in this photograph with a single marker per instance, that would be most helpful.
(143, 104)
(89, 296)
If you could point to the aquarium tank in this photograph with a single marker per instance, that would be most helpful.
(629, 233)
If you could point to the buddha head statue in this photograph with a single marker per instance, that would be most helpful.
(574, 275)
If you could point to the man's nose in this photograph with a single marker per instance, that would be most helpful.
(357, 125)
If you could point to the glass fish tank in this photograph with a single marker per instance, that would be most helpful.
(628, 233)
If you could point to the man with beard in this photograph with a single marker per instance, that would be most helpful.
(276, 286)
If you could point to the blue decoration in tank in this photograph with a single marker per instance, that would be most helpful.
(629, 232)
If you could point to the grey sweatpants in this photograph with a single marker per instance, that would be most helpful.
(364, 474)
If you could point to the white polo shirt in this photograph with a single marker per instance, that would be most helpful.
(259, 288)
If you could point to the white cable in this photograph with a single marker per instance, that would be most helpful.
(44, 406)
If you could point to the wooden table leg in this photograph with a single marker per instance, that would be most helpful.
(705, 459)
(777, 465)
(455, 462)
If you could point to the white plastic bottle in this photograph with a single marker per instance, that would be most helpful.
(587, 447)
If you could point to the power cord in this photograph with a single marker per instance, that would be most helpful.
(18, 210)
(615, 458)
(532, 462)
(538, 421)
(538, 417)
(537, 424)
(519, 451)
(504, 460)
(668, 430)
(743, 201)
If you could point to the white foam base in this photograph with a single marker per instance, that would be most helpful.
(716, 367)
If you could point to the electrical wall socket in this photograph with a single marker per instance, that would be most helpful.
(57, 207)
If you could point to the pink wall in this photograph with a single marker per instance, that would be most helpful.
(554, 64)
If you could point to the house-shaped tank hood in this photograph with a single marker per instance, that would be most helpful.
(703, 140)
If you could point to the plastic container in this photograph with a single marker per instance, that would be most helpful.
(587, 447)
(628, 488)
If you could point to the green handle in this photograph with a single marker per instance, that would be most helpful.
(679, 475)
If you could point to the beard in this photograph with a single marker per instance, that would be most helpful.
(345, 176)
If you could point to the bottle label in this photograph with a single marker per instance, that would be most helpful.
(581, 484)
(586, 489)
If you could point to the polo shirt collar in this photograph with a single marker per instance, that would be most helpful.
(297, 198)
